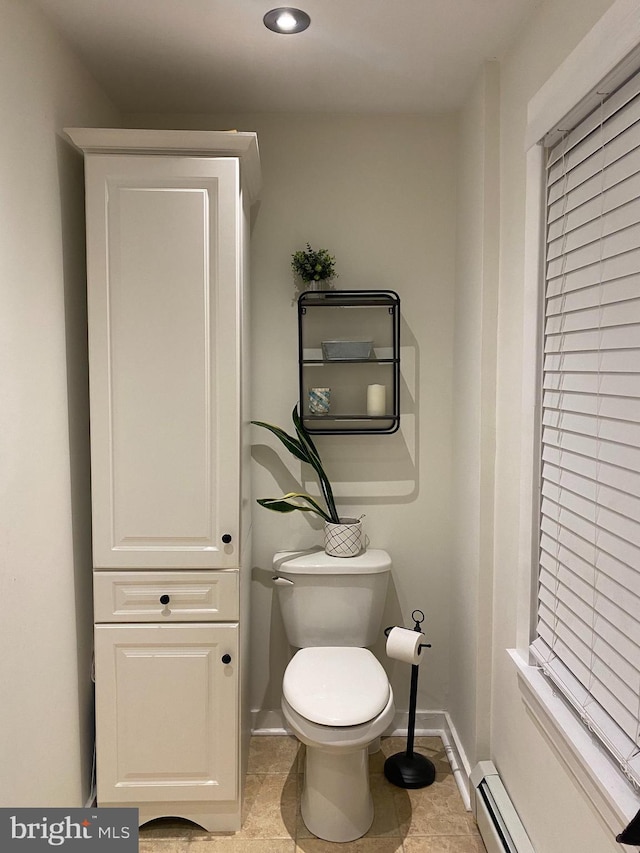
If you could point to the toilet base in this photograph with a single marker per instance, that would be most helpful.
(336, 801)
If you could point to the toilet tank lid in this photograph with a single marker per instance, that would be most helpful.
(316, 561)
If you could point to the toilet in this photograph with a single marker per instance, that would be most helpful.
(336, 697)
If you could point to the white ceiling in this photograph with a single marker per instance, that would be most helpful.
(397, 56)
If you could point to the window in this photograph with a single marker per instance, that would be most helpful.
(588, 626)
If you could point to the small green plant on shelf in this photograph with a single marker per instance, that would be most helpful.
(303, 448)
(313, 266)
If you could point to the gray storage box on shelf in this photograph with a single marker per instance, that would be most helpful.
(345, 350)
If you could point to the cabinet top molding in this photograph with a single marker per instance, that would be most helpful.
(194, 143)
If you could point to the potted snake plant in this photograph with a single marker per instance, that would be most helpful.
(343, 536)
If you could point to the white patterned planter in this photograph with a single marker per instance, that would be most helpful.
(344, 539)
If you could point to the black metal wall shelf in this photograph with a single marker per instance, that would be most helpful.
(356, 404)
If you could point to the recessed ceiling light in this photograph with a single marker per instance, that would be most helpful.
(286, 20)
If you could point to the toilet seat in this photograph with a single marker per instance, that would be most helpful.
(338, 739)
(336, 685)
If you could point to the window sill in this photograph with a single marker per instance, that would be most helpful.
(596, 774)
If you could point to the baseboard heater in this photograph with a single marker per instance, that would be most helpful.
(500, 827)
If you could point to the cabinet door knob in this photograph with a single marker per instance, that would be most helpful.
(226, 658)
(164, 599)
(226, 538)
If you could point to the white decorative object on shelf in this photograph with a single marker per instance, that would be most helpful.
(376, 400)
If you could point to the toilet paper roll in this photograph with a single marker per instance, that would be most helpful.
(404, 644)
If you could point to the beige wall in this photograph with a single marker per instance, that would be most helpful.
(474, 381)
(379, 193)
(45, 562)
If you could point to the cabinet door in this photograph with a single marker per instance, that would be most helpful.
(163, 285)
(166, 712)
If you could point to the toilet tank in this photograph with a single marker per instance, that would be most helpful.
(331, 601)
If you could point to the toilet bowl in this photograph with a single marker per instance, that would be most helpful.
(337, 701)
(336, 696)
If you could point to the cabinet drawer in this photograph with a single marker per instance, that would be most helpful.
(165, 596)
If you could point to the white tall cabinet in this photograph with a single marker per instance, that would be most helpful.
(168, 217)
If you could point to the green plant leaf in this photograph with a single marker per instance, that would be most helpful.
(314, 459)
(293, 445)
(306, 441)
(304, 449)
(312, 265)
(284, 504)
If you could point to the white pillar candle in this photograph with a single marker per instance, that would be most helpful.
(376, 400)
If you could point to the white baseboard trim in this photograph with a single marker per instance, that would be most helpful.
(268, 723)
(428, 724)
(458, 760)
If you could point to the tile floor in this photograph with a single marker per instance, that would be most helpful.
(426, 820)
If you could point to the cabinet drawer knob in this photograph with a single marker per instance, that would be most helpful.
(164, 599)
(226, 538)
(226, 658)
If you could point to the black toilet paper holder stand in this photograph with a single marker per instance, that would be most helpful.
(409, 769)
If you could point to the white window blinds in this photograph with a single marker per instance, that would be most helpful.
(588, 632)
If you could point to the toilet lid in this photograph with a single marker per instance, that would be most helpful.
(336, 685)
